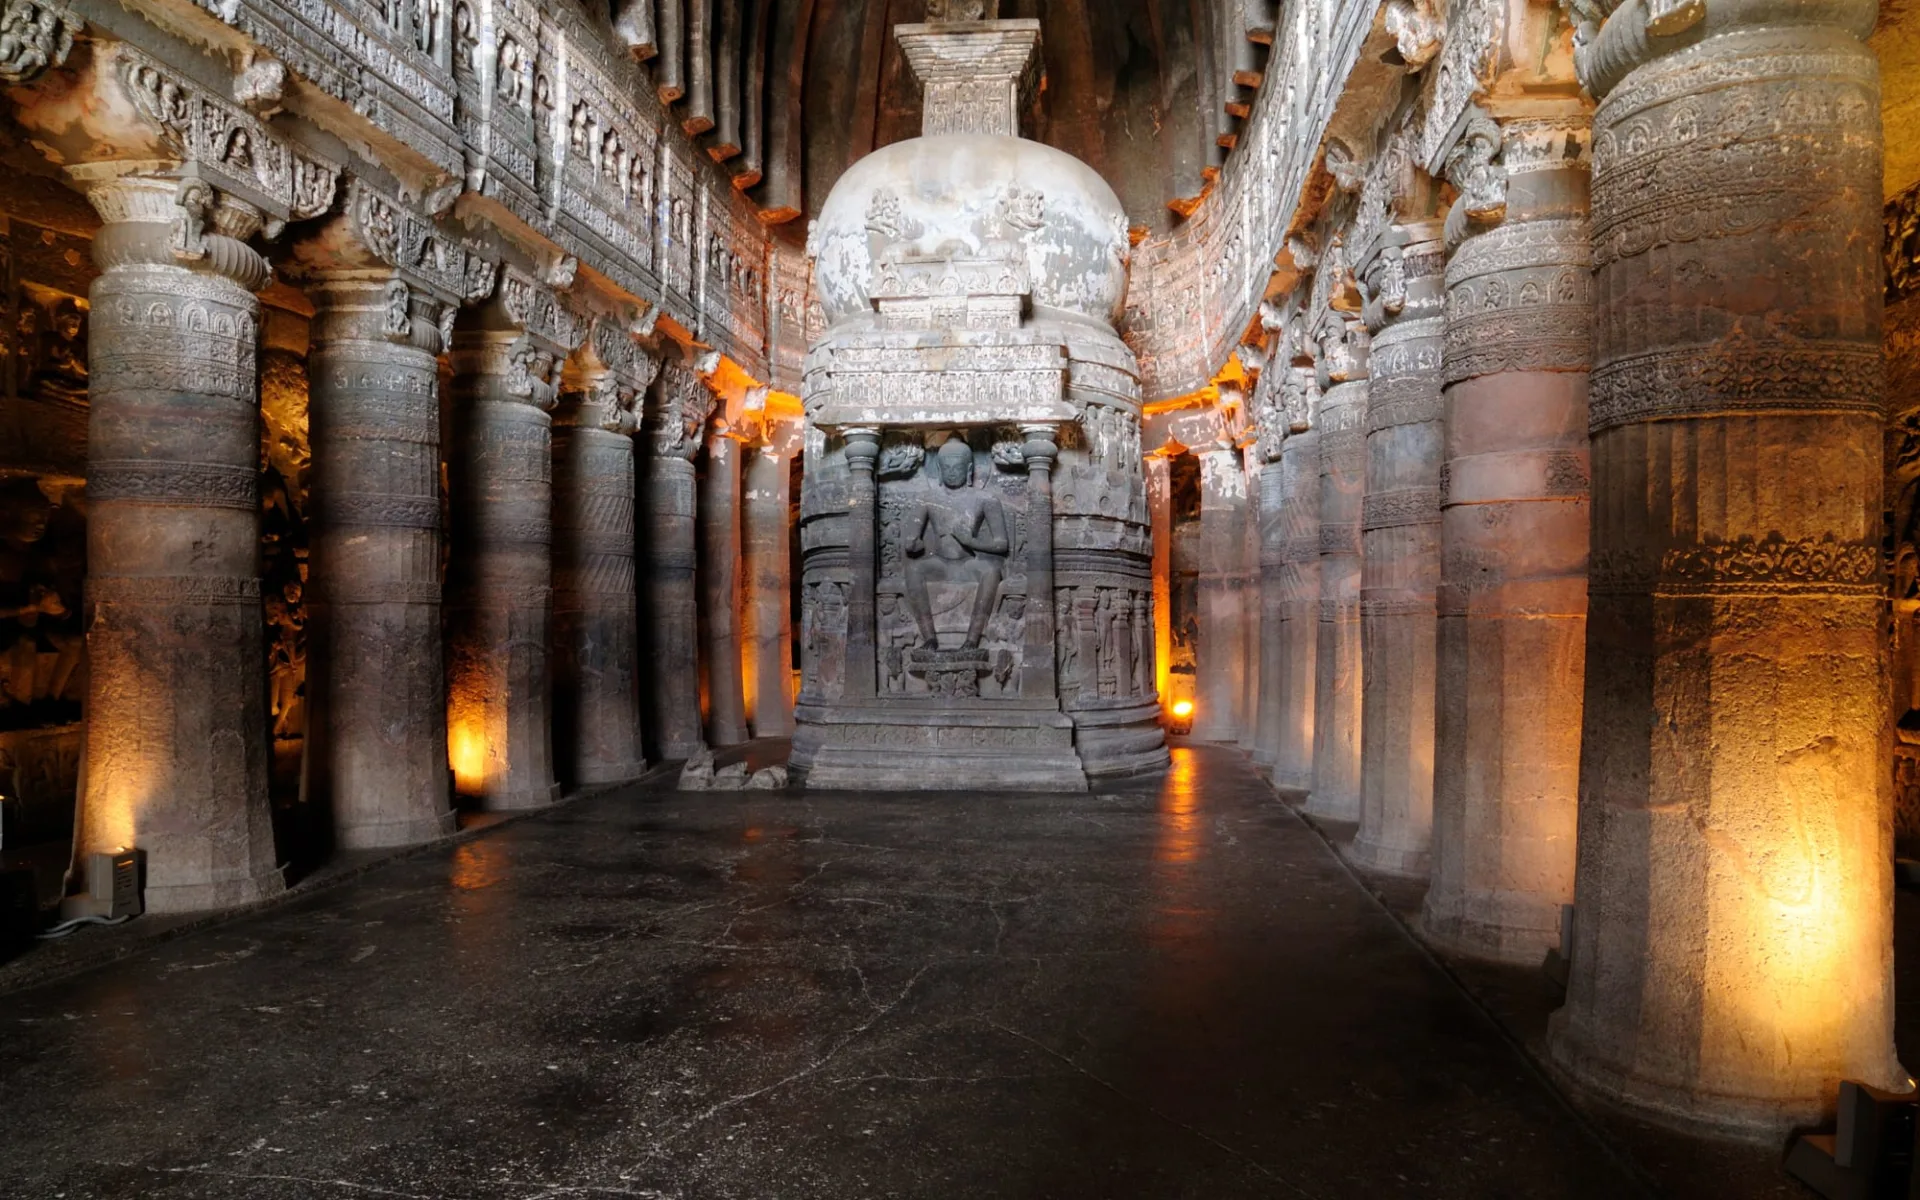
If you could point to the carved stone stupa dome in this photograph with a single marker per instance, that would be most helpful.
(975, 196)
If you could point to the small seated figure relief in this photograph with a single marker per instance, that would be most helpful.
(955, 533)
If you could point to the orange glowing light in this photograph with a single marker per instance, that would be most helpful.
(1183, 709)
(467, 755)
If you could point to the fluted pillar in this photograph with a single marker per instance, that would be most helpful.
(767, 497)
(1337, 664)
(500, 579)
(1400, 534)
(1732, 950)
(720, 598)
(176, 735)
(674, 422)
(1513, 586)
(596, 635)
(1296, 614)
(1220, 658)
(376, 679)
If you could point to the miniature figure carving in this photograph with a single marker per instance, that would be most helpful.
(956, 534)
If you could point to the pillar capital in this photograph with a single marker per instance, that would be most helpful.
(604, 379)
(126, 116)
(681, 406)
(381, 271)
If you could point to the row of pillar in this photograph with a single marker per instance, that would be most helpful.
(1600, 656)
(523, 672)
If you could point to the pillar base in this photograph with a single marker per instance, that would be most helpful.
(214, 895)
(1508, 942)
(595, 775)
(1217, 734)
(936, 746)
(1407, 862)
(1696, 1112)
(539, 797)
(1289, 779)
(387, 834)
(1330, 805)
(1120, 741)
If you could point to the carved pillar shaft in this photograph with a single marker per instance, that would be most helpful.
(1038, 679)
(672, 541)
(1160, 515)
(863, 448)
(1296, 631)
(596, 635)
(1252, 606)
(1400, 535)
(720, 592)
(376, 683)
(1337, 662)
(1271, 652)
(176, 740)
(501, 574)
(1732, 947)
(768, 501)
(1220, 651)
(1513, 587)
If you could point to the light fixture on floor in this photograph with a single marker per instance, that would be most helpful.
(1182, 717)
(113, 888)
(1869, 1155)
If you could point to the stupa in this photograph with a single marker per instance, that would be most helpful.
(977, 595)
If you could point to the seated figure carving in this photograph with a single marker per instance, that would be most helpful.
(955, 533)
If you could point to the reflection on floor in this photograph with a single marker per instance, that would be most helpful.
(1169, 988)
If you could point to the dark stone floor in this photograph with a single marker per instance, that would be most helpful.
(1168, 989)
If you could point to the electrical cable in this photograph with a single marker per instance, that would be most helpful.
(66, 927)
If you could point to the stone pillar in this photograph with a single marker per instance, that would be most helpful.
(674, 424)
(596, 633)
(720, 600)
(376, 679)
(1400, 534)
(768, 501)
(1220, 649)
(1296, 610)
(1160, 516)
(1294, 631)
(1732, 950)
(500, 599)
(1271, 716)
(1337, 662)
(176, 737)
(1513, 584)
(1247, 582)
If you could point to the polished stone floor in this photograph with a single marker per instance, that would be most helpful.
(1168, 989)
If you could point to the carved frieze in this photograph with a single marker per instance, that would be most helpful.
(35, 35)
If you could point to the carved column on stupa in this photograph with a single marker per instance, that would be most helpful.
(1732, 933)
(720, 586)
(1400, 534)
(596, 635)
(675, 424)
(1513, 585)
(767, 495)
(1220, 649)
(1337, 669)
(385, 286)
(176, 741)
(500, 582)
(1297, 611)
